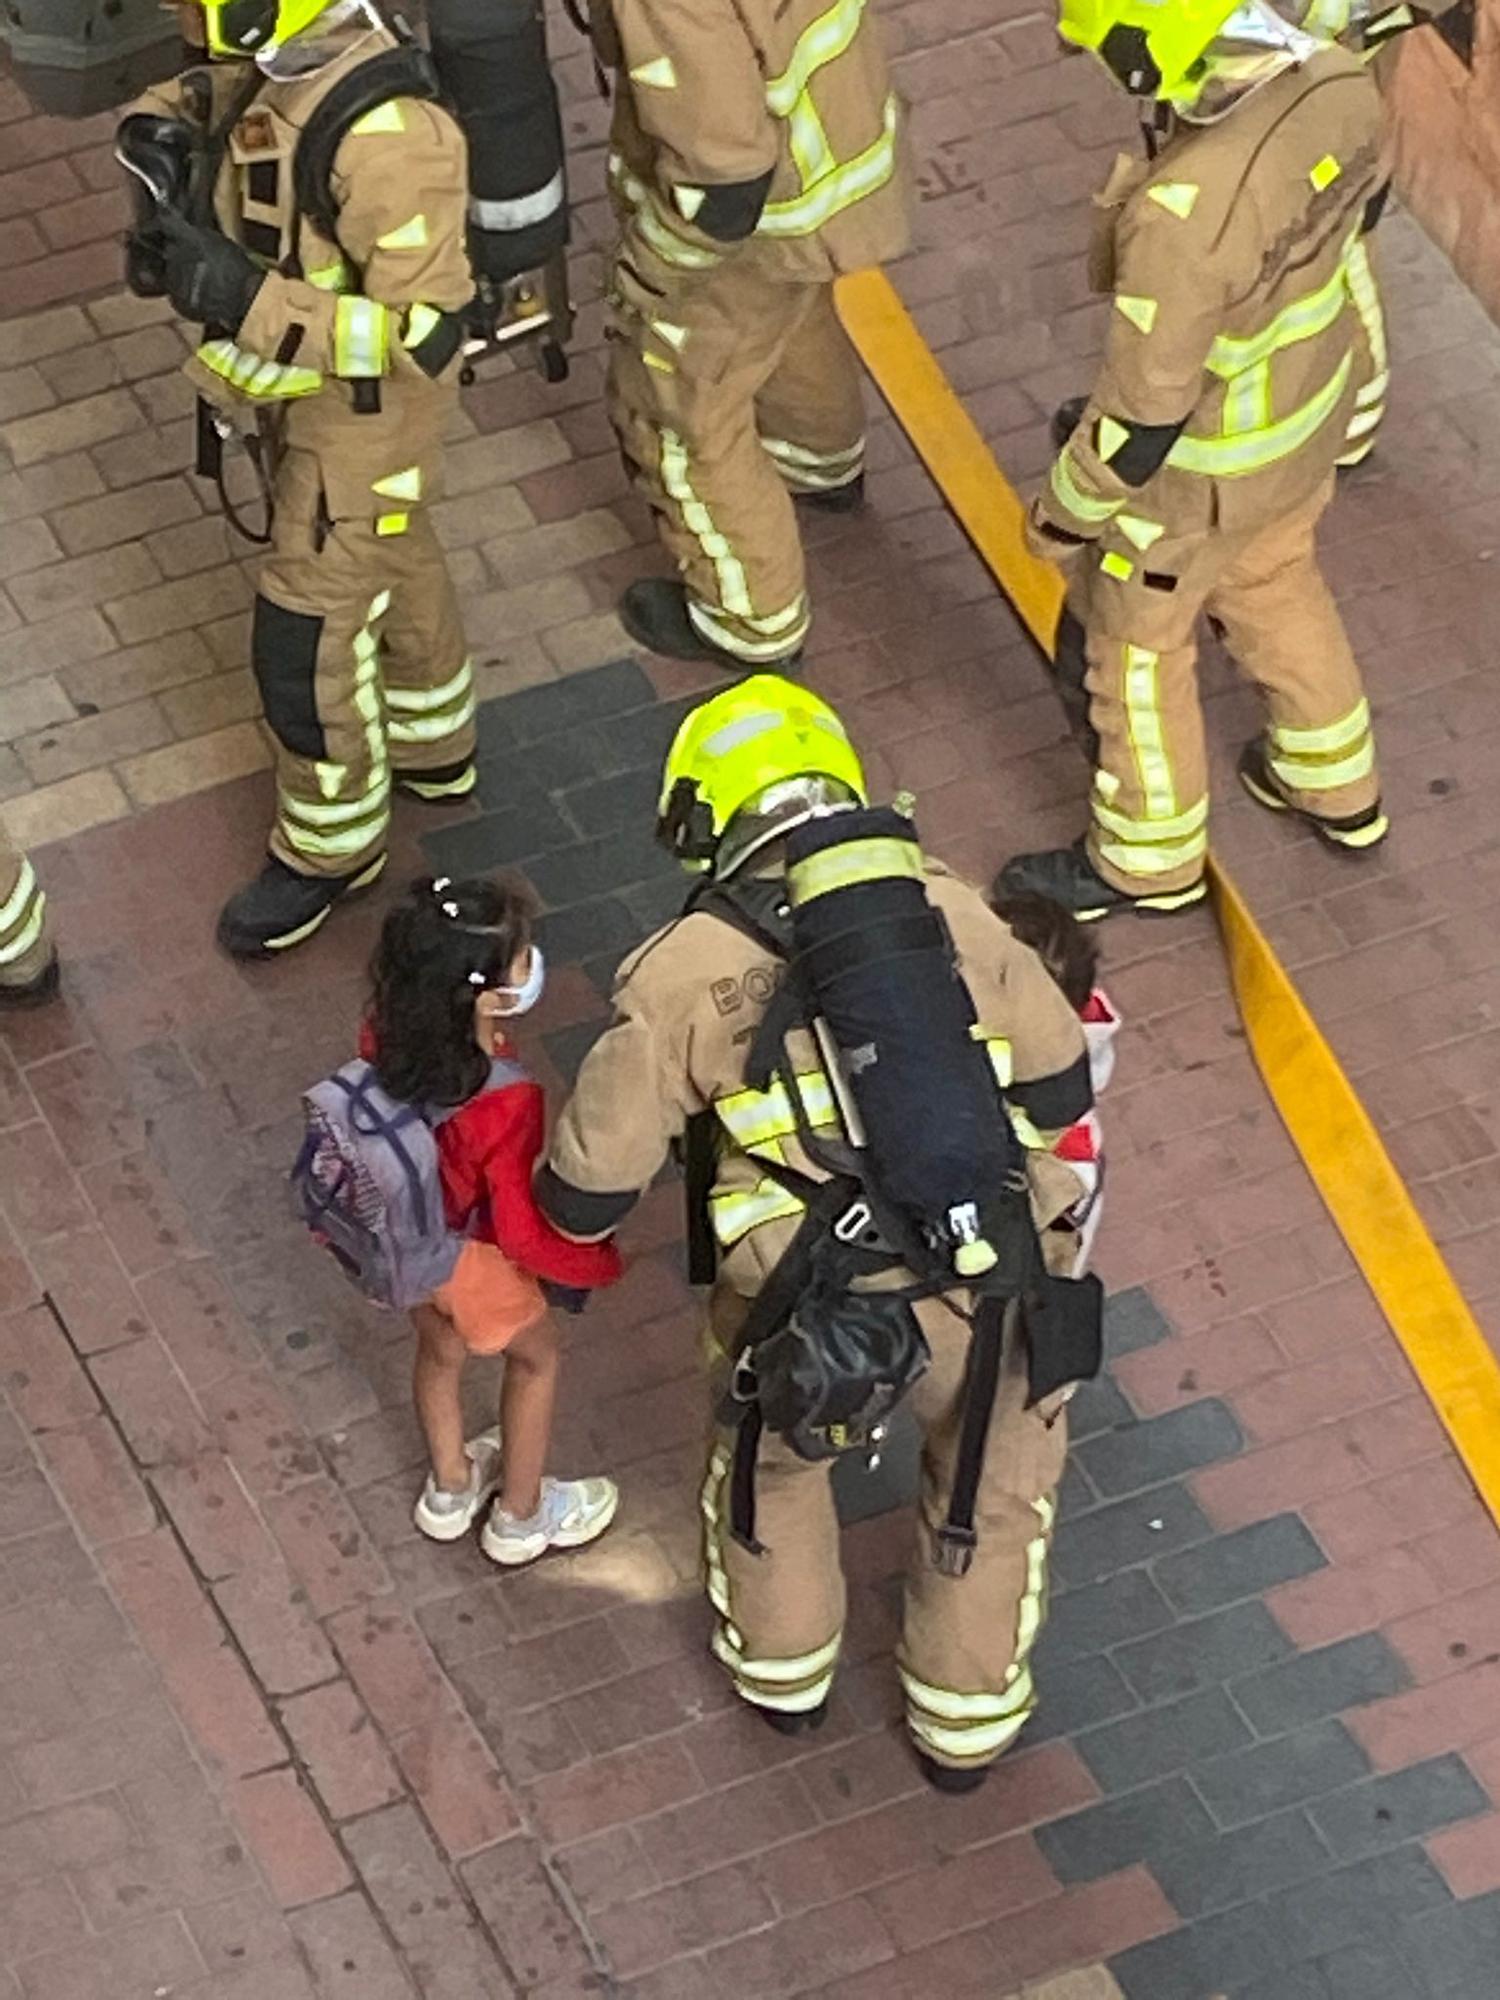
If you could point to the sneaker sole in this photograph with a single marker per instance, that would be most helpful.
(453, 1527)
(365, 879)
(576, 1538)
(1360, 842)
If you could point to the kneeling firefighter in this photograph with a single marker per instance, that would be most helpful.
(307, 200)
(755, 155)
(862, 1066)
(28, 963)
(1237, 366)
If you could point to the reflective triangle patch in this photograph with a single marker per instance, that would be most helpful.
(1142, 533)
(1111, 435)
(658, 74)
(384, 118)
(410, 236)
(1178, 198)
(1140, 312)
(405, 485)
(689, 200)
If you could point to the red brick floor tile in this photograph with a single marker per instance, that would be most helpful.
(95, 1756)
(1468, 1856)
(1297, 1400)
(65, 1837)
(457, 1781)
(90, 1468)
(1449, 1714)
(1085, 1924)
(93, 1297)
(257, 1424)
(1173, 1372)
(1421, 1499)
(140, 1214)
(1329, 1460)
(412, 1889)
(135, 1962)
(628, 1785)
(39, 1193)
(198, 1321)
(268, 1613)
(215, 1516)
(968, 1890)
(19, 1285)
(300, 1859)
(84, 1100)
(518, 1899)
(166, 1869)
(687, 1918)
(1446, 1637)
(43, 1377)
(1353, 1597)
(238, 1931)
(324, 1543)
(389, 1661)
(347, 1952)
(801, 1954)
(151, 1403)
(39, 1916)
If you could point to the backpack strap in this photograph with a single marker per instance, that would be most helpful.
(401, 72)
(953, 1550)
(378, 1126)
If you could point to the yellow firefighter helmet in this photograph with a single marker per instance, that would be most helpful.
(748, 766)
(245, 27)
(1155, 48)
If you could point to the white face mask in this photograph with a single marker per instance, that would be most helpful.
(521, 999)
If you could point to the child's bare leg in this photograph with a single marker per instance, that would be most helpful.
(435, 1377)
(528, 1392)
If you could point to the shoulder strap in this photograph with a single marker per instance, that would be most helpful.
(401, 72)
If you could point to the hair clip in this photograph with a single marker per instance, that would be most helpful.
(449, 909)
(440, 883)
(478, 979)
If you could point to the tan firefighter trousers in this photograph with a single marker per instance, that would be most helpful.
(966, 1642)
(359, 651)
(749, 389)
(24, 945)
(1136, 654)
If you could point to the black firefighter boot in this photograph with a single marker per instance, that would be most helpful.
(655, 614)
(1354, 835)
(281, 908)
(1066, 875)
(793, 1722)
(448, 785)
(846, 499)
(33, 992)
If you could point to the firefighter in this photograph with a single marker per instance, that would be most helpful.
(756, 154)
(341, 342)
(1236, 367)
(745, 769)
(28, 963)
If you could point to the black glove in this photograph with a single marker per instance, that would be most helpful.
(145, 267)
(157, 153)
(208, 278)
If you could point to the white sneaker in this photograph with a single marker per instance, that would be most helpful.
(447, 1517)
(572, 1512)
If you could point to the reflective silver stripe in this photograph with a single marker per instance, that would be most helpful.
(522, 210)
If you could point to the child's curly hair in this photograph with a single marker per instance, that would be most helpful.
(1063, 945)
(437, 952)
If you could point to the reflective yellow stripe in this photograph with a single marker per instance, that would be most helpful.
(1147, 738)
(427, 701)
(1310, 775)
(1247, 400)
(19, 897)
(753, 1116)
(1331, 736)
(361, 338)
(667, 244)
(1366, 296)
(404, 485)
(793, 624)
(1374, 389)
(1189, 821)
(1229, 457)
(1071, 495)
(1139, 858)
(734, 592)
(410, 236)
(735, 1214)
(30, 932)
(999, 1051)
(252, 376)
(331, 278)
(392, 524)
(838, 190)
(1304, 317)
(811, 152)
(855, 861)
(822, 42)
(322, 815)
(1178, 198)
(1140, 312)
(384, 118)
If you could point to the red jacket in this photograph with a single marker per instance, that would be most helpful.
(487, 1151)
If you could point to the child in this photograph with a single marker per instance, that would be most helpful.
(1070, 953)
(454, 965)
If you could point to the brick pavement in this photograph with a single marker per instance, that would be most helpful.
(264, 1741)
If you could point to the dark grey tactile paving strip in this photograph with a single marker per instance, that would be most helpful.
(1217, 1745)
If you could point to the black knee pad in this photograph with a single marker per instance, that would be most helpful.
(1069, 665)
(284, 655)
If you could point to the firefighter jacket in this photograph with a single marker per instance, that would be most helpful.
(687, 1005)
(359, 339)
(1245, 354)
(767, 130)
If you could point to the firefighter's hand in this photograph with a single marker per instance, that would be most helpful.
(208, 278)
(145, 267)
(1048, 542)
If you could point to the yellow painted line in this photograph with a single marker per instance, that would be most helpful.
(1329, 1126)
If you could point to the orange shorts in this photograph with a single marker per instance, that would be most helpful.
(488, 1300)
